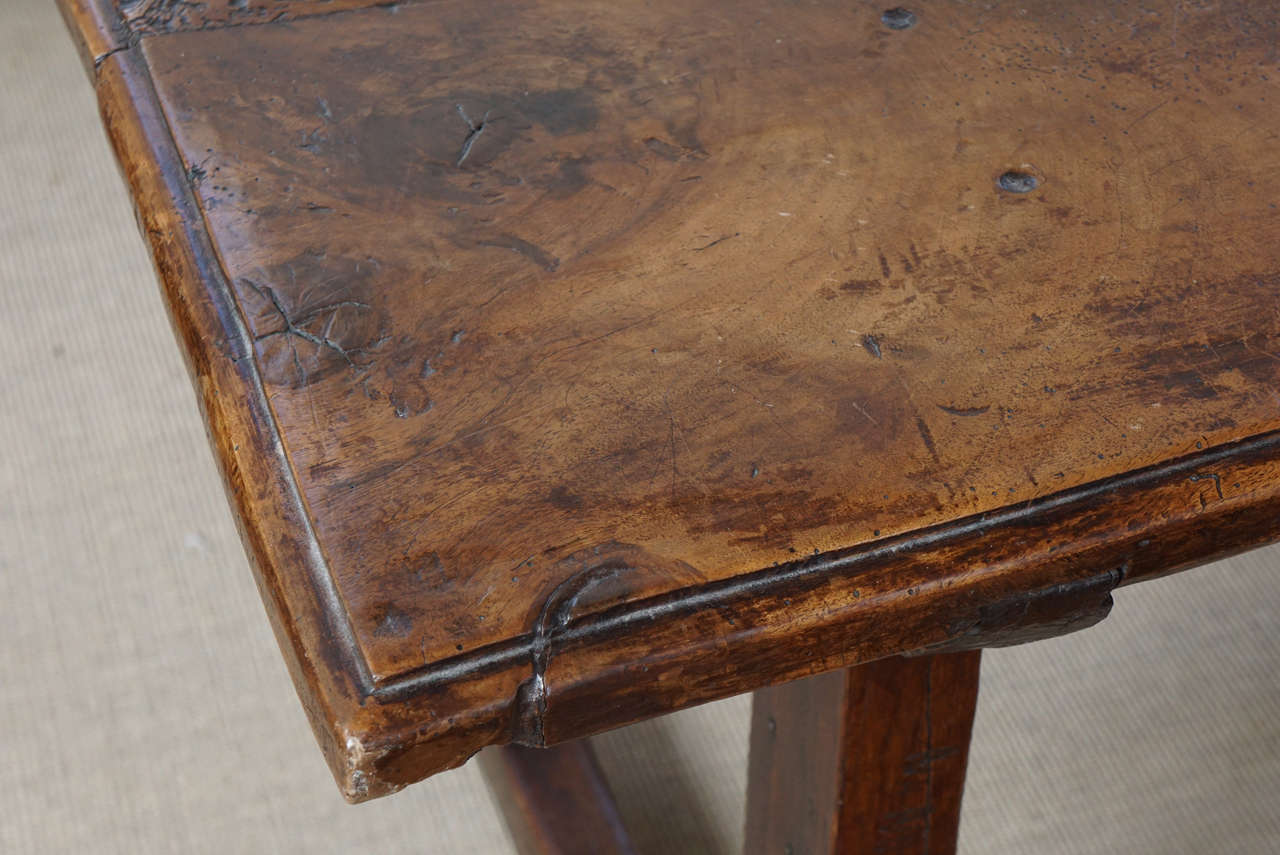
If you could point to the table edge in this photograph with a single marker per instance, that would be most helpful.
(918, 591)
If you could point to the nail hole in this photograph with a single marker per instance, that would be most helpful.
(898, 18)
(1017, 182)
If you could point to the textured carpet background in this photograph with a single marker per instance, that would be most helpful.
(144, 707)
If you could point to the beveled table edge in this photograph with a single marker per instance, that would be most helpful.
(924, 590)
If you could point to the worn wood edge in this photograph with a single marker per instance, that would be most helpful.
(311, 624)
(95, 28)
(913, 594)
(305, 613)
(926, 591)
(380, 737)
(1112, 496)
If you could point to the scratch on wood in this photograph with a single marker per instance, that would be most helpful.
(532, 251)
(963, 411)
(927, 438)
(718, 240)
(474, 131)
(863, 411)
(1209, 476)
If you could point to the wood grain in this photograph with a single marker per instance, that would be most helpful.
(579, 354)
(556, 800)
(862, 760)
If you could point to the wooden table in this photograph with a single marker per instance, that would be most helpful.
(573, 362)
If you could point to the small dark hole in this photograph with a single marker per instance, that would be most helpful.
(1017, 182)
(898, 18)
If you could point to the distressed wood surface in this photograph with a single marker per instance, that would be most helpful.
(863, 760)
(152, 17)
(579, 363)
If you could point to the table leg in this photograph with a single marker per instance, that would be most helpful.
(555, 800)
(866, 760)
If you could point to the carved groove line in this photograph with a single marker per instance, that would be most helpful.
(715, 595)
(554, 616)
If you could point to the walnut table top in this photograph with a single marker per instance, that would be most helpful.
(570, 362)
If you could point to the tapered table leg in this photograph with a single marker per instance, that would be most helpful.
(866, 760)
(555, 800)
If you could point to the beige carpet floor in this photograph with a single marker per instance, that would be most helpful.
(144, 707)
